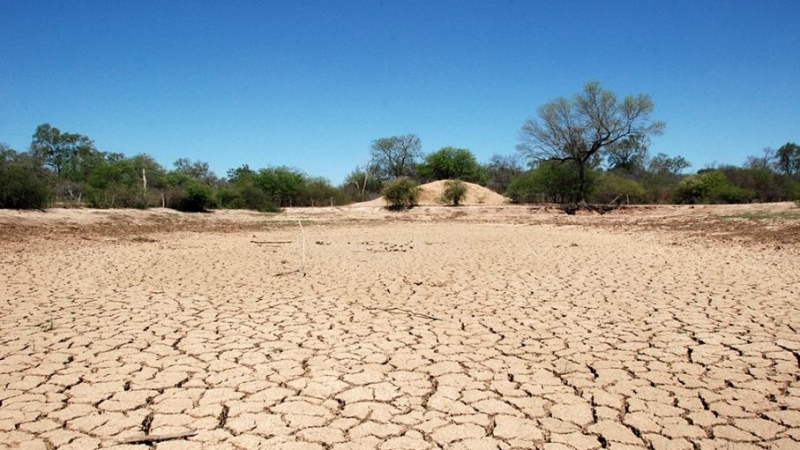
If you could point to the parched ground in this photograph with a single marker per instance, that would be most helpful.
(457, 328)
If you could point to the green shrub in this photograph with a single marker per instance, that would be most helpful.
(690, 190)
(524, 188)
(550, 181)
(21, 187)
(401, 193)
(256, 199)
(195, 197)
(711, 186)
(246, 196)
(614, 188)
(454, 192)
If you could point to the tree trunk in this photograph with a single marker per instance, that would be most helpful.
(581, 182)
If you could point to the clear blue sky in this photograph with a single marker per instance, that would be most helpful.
(310, 84)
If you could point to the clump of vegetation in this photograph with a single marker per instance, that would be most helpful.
(604, 161)
(550, 181)
(454, 192)
(711, 186)
(765, 215)
(450, 163)
(401, 193)
(613, 188)
(246, 196)
(591, 126)
(22, 185)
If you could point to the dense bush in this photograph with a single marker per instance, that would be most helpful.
(450, 163)
(711, 186)
(454, 192)
(246, 196)
(551, 181)
(500, 171)
(318, 191)
(194, 197)
(283, 185)
(22, 187)
(361, 186)
(401, 193)
(618, 189)
(767, 185)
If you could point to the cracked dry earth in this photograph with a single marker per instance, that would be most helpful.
(400, 336)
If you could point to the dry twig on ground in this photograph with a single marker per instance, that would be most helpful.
(149, 439)
(413, 313)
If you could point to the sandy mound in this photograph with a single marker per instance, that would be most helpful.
(432, 192)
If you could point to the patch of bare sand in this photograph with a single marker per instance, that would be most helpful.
(768, 224)
(486, 330)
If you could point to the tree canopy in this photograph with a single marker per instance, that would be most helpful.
(449, 163)
(395, 156)
(582, 130)
(603, 159)
(67, 154)
(789, 159)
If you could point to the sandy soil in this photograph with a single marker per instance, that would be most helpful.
(475, 328)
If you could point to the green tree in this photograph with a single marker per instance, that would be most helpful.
(661, 176)
(663, 164)
(449, 163)
(242, 175)
(191, 186)
(115, 183)
(525, 188)
(628, 155)
(152, 177)
(360, 186)
(198, 170)
(454, 192)
(767, 185)
(199, 197)
(23, 185)
(582, 129)
(501, 170)
(550, 181)
(614, 188)
(401, 193)
(283, 185)
(71, 156)
(317, 191)
(395, 156)
(711, 186)
(789, 159)
(243, 192)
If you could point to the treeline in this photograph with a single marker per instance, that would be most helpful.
(625, 173)
(772, 177)
(66, 169)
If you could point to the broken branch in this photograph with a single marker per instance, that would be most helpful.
(412, 313)
(157, 438)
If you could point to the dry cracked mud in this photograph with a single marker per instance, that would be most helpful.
(401, 335)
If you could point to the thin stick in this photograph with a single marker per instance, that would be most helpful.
(413, 313)
(286, 273)
(303, 266)
(270, 242)
(157, 438)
